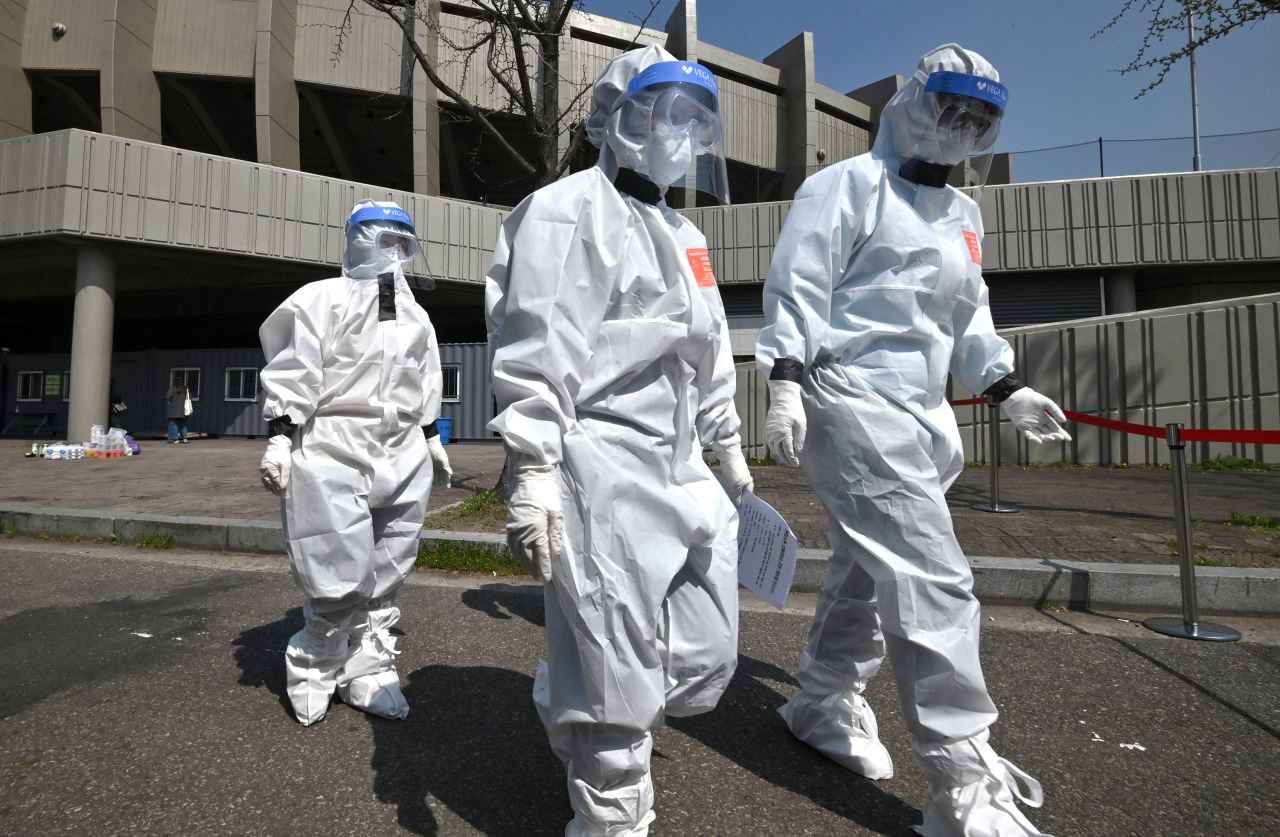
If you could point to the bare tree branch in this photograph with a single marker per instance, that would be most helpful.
(518, 45)
(1214, 19)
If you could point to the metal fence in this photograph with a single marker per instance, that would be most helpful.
(1120, 157)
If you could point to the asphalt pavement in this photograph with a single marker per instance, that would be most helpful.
(144, 694)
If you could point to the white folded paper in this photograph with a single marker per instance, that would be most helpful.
(766, 551)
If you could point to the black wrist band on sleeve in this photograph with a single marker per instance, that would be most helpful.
(786, 369)
(1003, 388)
(282, 426)
(430, 430)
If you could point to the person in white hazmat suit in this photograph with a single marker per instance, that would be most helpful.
(875, 294)
(612, 369)
(351, 392)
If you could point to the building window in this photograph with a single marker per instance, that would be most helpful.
(30, 386)
(242, 384)
(449, 390)
(66, 385)
(190, 376)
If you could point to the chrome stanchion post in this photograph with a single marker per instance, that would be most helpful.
(993, 443)
(1189, 625)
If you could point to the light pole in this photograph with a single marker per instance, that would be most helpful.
(1195, 102)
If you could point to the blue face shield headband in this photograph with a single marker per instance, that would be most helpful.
(974, 87)
(668, 72)
(388, 214)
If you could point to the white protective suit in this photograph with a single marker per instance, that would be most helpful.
(353, 367)
(874, 296)
(611, 370)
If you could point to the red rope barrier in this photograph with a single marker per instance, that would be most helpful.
(1122, 426)
(1189, 434)
(1244, 437)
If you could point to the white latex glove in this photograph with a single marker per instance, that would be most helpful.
(784, 426)
(535, 519)
(1036, 415)
(734, 475)
(440, 461)
(274, 467)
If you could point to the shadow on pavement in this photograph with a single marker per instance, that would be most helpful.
(473, 742)
(260, 655)
(771, 753)
(502, 601)
(1168, 667)
(131, 635)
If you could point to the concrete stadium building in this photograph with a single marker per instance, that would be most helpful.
(171, 169)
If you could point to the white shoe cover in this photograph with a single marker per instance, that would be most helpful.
(579, 827)
(985, 807)
(311, 663)
(843, 728)
(368, 680)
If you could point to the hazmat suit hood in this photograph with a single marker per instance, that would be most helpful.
(380, 240)
(948, 111)
(612, 85)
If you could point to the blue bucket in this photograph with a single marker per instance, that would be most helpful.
(445, 426)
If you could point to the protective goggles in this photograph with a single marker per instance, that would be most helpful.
(393, 238)
(961, 117)
(683, 110)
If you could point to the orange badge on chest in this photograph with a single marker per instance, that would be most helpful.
(700, 262)
(975, 252)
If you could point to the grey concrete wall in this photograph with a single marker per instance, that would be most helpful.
(15, 91)
(206, 37)
(275, 108)
(130, 93)
(1213, 366)
(84, 184)
(1204, 217)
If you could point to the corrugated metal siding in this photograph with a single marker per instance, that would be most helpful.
(143, 378)
(474, 408)
(46, 365)
(841, 140)
(751, 123)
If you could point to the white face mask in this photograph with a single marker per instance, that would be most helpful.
(669, 155)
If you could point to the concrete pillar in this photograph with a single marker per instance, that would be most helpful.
(130, 93)
(426, 110)
(1121, 290)
(682, 31)
(800, 128)
(91, 334)
(275, 98)
(15, 90)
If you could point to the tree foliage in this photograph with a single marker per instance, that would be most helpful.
(516, 44)
(1214, 19)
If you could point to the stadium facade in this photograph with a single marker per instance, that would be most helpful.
(171, 169)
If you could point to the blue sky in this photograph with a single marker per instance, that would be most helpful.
(1063, 85)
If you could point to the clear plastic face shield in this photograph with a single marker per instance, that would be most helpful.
(667, 128)
(965, 111)
(380, 239)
